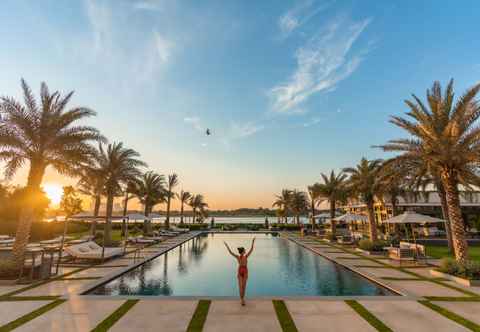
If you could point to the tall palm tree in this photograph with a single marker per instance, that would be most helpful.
(44, 134)
(315, 198)
(197, 202)
(172, 182)
(184, 197)
(150, 191)
(298, 204)
(119, 166)
(92, 183)
(365, 182)
(334, 190)
(282, 202)
(445, 135)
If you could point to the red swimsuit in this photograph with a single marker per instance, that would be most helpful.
(242, 271)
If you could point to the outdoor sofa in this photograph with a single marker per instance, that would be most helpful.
(92, 251)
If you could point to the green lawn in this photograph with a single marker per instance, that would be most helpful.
(442, 251)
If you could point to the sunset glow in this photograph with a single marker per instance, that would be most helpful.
(54, 193)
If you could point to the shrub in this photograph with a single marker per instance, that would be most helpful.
(8, 269)
(368, 245)
(331, 237)
(469, 269)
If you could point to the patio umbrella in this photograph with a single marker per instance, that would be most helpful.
(412, 218)
(349, 217)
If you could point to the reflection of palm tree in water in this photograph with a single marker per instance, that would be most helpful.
(181, 268)
(199, 246)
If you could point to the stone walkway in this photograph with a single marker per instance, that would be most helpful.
(399, 313)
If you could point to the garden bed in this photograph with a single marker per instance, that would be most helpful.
(458, 280)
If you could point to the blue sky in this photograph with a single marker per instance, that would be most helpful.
(289, 89)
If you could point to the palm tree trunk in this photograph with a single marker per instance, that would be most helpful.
(181, 214)
(448, 228)
(125, 209)
(96, 209)
(333, 223)
(313, 213)
(27, 214)
(167, 219)
(460, 246)
(107, 231)
(146, 226)
(372, 222)
(194, 215)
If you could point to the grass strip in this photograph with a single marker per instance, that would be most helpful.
(346, 257)
(32, 315)
(108, 322)
(452, 316)
(199, 316)
(81, 278)
(284, 317)
(400, 279)
(453, 299)
(29, 298)
(368, 316)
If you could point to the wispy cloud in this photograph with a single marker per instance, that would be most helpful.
(146, 54)
(324, 61)
(312, 122)
(299, 15)
(244, 130)
(150, 5)
(195, 122)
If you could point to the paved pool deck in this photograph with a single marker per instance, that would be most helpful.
(426, 304)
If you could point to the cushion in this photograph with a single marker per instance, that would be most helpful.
(83, 249)
(92, 246)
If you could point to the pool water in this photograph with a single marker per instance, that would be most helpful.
(203, 267)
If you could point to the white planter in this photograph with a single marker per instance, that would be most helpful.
(458, 280)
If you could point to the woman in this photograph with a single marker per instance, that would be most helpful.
(242, 274)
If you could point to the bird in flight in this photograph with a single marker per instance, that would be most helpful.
(208, 132)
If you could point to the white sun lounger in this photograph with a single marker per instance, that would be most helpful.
(91, 250)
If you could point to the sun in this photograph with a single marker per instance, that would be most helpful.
(54, 192)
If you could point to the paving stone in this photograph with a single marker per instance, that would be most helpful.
(424, 288)
(230, 316)
(73, 315)
(11, 311)
(4, 289)
(331, 316)
(468, 310)
(95, 272)
(410, 316)
(155, 315)
(57, 288)
(390, 273)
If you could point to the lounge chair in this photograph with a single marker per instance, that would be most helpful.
(345, 239)
(406, 252)
(181, 230)
(7, 242)
(142, 240)
(92, 251)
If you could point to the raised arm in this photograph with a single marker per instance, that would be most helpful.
(251, 248)
(229, 250)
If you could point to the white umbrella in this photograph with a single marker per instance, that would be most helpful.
(349, 217)
(411, 217)
(137, 216)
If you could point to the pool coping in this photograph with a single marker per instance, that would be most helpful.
(83, 291)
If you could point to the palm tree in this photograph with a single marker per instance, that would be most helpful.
(171, 183)
(197, 202)
(315, 199)
(334, 190)
(150, 192)
(446, 137)
(298, 204)
(92, 183)
(184, 197)
(393, 177)
(119, 166)
(42, 135)
(282, 201)
(365, 182)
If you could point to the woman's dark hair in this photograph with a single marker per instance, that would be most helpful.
(241, 250)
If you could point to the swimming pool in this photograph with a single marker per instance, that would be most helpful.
(277, 267)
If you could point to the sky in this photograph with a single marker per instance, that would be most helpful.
(289, 89)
